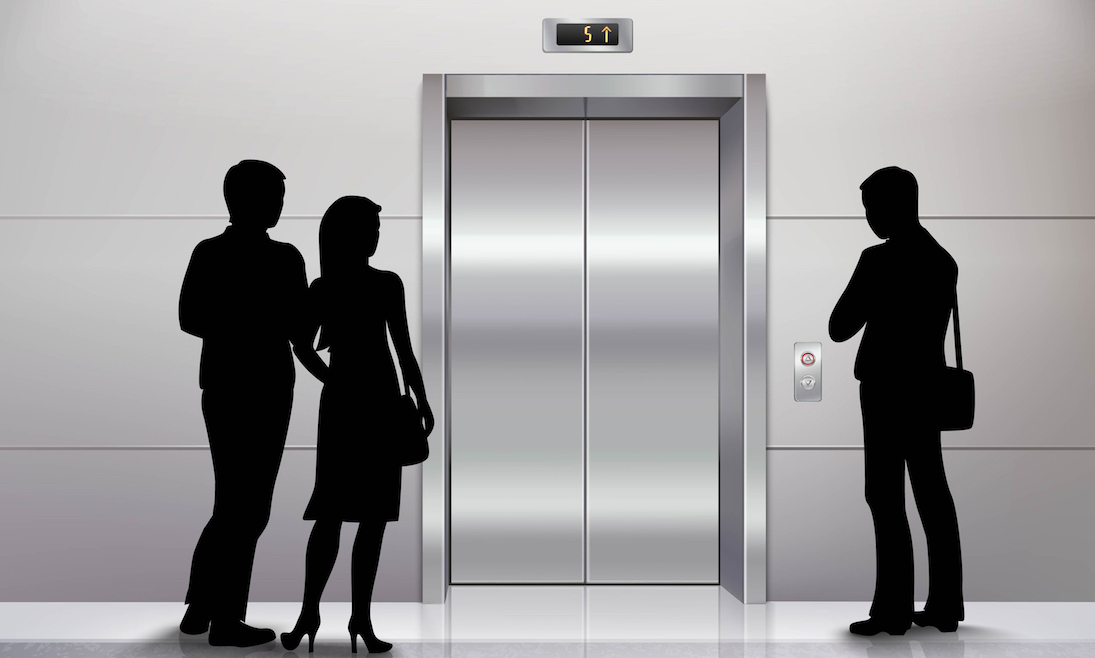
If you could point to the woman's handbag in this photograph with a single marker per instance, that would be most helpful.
(956, 388)
(409, 446)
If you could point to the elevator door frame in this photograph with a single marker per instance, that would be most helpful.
(739, 103)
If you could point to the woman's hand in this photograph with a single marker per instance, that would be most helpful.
(427, 415)
(311, 361)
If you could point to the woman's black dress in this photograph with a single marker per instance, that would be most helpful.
(356, 477)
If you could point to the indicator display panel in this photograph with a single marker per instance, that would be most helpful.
(587, 34)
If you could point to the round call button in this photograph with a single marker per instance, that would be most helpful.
(807, 359)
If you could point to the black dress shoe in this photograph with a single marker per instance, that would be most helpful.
(943, 623)
(874, 626)
(195, 621)
(235, 633)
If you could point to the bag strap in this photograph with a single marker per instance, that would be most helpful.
(957, 331)
(395, 359)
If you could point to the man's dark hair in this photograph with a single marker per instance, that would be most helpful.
(249, 183)
(893, 182)
(896, 189)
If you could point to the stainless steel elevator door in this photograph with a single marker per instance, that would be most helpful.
(515, 352)
(583, 351)
(652, 242)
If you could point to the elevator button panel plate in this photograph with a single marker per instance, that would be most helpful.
(807, 372)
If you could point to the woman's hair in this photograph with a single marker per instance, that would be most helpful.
(341, 231)
(347, 228)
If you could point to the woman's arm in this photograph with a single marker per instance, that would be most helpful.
(401, 339)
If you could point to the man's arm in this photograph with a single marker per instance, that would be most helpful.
(304, 319)
(298, 311)
(194, 301)
(305, 336)
(850, 313)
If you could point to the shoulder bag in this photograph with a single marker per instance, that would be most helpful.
(956, 387)
(409, 445)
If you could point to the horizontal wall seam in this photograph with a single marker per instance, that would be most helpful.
(134, 447)
(312, 447)
(419, 217)
(860, 447)
(219, 217)
(861, 217)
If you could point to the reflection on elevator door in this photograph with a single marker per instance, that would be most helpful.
(583, 351)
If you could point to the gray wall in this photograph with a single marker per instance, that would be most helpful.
(105, 475)
(124, 109)
(1020, 477)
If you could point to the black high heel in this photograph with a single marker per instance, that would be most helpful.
(291, 639)
(372, 642)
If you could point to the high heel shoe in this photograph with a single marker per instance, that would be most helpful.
(304, 627)
(372, 642)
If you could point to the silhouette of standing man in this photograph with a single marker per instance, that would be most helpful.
(903, 291)
(241, 295)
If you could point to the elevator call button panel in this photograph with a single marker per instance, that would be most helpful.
(807, 372)
(587, 35)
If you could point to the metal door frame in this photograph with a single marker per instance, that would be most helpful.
(739, 103)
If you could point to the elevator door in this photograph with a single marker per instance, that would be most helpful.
(583, 351)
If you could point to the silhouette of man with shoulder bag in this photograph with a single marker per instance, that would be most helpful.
(903, 292)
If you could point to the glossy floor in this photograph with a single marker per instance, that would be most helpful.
(551, 622)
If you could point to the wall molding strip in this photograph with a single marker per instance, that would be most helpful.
(862, 217)
(312, 447)
(301, 447)
(419, 217)
(998, 447)
(134, 447)
(150, 216)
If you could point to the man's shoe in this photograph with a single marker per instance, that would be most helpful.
(195, 621)
(943, 623)
(874, 626)
(235, 633)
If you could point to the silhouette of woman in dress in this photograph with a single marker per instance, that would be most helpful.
(357, 477)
